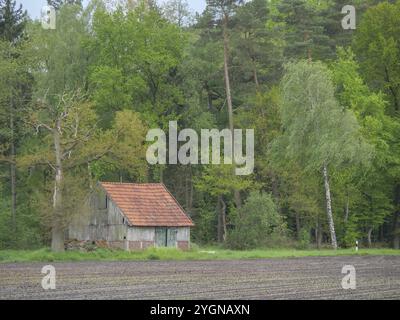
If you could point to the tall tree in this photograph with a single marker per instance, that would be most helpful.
(136, 58)
(67, 123)
(317, 133)
(72, 142)
(376, 184)
(12, 21)
(257, 51)
(223, 11)
(12, 26)
(178, 12)
(220, 182)
(301, 23)
(58, 3)
(377, 47)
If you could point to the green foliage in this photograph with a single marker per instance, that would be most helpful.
(107, 75)
(304, 239)
(377, 46)
(316, 129)
(351, 234)
(57, 4)
(256, 222)
(301, 24)
(12, 21)
(221, 180)
(374, 184)
(205, 231)
(136, 56)
(59, 61)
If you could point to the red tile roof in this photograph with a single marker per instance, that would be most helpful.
(147, 205)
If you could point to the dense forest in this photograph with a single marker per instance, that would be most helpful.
(76, 103)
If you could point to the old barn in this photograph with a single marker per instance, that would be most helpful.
(133, 217)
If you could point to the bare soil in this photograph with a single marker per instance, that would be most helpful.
(377, 277)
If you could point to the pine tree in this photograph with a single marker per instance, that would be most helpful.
(58, 3)
(12, 26)
(223, 10)
(12, 21)
(302, 26)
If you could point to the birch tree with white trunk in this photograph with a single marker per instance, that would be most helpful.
(318, 134)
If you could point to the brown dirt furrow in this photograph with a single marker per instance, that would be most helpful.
(296, 278)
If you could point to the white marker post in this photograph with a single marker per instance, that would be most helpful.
(356, 245)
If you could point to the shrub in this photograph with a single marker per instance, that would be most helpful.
(304, 239)
(256, 222)
(351, 233)
(153, 256)
(205, 230)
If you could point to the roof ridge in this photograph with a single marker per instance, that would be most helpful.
(133, 183)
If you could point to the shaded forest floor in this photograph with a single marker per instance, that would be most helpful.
(45, 255)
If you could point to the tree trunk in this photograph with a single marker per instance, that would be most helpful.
(57, 239)
(396, 231)
(221, 219)
(226, 74)
(309, 52)
(396, 220)
(318, 234)
(369, 236)
(298, 227)
(329, 207)
(89, 167)
(346, 210)
(223, 216)
(188, 190)
(255, 74)
(257, 83)
(381, 233)
(13, 175)
(219, 226)
(275, 186)
(237, 196)
(210, 104)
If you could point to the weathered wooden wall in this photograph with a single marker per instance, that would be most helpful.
(99, 223)
(104, 221)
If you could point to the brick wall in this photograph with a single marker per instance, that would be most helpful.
(117, 244)
(140, 245)
(183, 245)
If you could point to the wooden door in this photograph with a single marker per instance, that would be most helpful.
(161, 237)
(166, 237)
(171, 237)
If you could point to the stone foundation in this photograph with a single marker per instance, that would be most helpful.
(122, 245)
(117, 245)
(140, 245)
